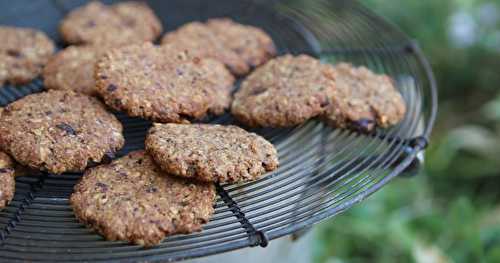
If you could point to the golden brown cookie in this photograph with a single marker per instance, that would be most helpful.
(211, 153)
(73, 69)
(118, 24)
(363, 100)
(285, 91)
(239, 47)
(23, 53)
(59, 131)
(7, 182)
(163, 84)
(132, 200)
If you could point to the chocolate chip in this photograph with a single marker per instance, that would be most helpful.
(111, 88)
(5, 170)
(363, 125)
(67, 128)
(324, 103)
(139, 161)
(91, 163)
(258, 90)
(103, 77)
(90, 23)
(48, 112)
(151, 189)
(179, 72)
(122, 174)
(104, 187)
(14, 53)
(108, 157)
(117, 103)
(129, 22)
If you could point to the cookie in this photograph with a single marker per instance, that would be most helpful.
(59, 131)
(72, 69)
(163, 84)
(286, 91)
(7, 182)
(118, 24)
(132, 200)
(363, 100)
(23, 53)
(210, 153)
(239, 47)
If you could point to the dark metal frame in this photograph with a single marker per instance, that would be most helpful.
(324, 171)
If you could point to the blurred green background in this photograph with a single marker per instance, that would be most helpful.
(450, 212)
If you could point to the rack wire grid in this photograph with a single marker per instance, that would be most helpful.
(323, 171)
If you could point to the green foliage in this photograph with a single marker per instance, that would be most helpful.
(451, 211)
(408, 222)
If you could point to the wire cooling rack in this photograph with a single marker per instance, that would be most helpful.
(323, 171)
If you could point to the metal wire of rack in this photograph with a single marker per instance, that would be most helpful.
(323, 172)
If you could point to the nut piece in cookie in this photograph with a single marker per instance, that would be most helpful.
(73, 69)
(211, 153)
(118, 24)
(239, 47)
(23, 53)
(7, 182)
(132, 200)
(59, 131)
(285, 91)
(363, 100)
(163, 84)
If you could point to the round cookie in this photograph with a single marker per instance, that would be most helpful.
(59, 131)
(211, 153)
(118, 24)
(73, 69)
(163, 84)
(363, 100)
(7, 182)
(239, 47)
(286, 91)
(23, 53)
(132, 200)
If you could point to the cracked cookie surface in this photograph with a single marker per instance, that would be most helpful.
(73, 69)
(23, 54)
(364, 100)
(163, 84)
(59, 131)
(130, 199)
(239, 47)
(118, 24)
(211, 153)
(286, 91)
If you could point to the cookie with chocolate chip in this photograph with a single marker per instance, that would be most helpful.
(7, 182)
(118, 24)
(132, 200)
(211, 153)
(59, 131)
(23, 54)
(286, 91)
(239, 47)
(163, 84)
(73, 69)
(364, 100)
